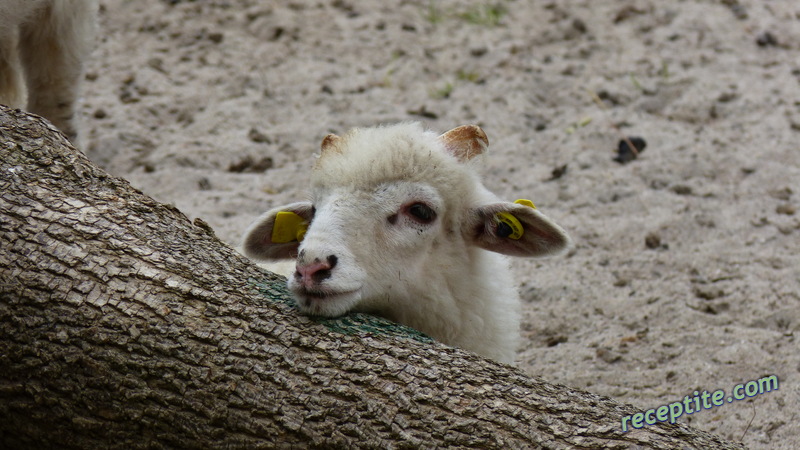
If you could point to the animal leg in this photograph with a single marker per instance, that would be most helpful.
(53, 50)
(12, 87)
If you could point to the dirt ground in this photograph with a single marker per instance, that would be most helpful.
(685, 274)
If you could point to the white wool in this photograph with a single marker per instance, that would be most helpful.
(43, 45)
(460, 295)
(438, 276)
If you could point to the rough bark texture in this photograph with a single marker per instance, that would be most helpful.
(123, 324)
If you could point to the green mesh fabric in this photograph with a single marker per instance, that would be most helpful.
(350, 324)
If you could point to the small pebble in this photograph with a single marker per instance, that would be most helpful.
(607, 355)
(250, 165)
(204, 184)
(766, 39)
(624, 152)
(422, 111)
(558, 172)
(652, 241)
(257, 136)
(552, 341)
(682, 189)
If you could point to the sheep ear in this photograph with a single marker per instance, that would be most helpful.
(330, 142)
(516, 229)
(465, 142)
(278, 232)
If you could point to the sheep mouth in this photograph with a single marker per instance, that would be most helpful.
(326, 302)
(323, 295)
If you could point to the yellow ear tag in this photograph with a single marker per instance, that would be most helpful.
(528, 203)
(513, 228)
(288, 227)
(508, 225)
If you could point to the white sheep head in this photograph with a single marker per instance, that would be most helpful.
(395, 218)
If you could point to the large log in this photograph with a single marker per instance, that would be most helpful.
(123, 324)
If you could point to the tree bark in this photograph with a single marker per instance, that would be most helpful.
(123, 324)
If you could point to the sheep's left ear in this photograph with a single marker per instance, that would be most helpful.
(465, 142)
(516, 229)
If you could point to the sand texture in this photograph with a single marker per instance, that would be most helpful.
(685, 273)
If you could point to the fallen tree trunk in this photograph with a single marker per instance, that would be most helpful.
(123, 324)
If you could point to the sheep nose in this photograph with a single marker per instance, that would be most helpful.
(313, 273)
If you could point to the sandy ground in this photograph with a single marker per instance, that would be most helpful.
(685, 274)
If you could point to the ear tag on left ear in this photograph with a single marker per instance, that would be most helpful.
(525, 202)
(508, 226)
(288, 227)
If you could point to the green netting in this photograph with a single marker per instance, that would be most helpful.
(350, 324)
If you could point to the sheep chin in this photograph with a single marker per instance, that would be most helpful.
(326, 303)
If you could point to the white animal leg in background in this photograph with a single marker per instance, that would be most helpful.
(53, 47)
(12, 84)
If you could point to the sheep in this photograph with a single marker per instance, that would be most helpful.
(400, 225)
(43, 45)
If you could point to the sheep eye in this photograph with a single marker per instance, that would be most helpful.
(422, 212)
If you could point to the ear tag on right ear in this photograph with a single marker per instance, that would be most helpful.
(508, 226)
(288, 227)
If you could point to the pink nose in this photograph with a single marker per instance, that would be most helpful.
(315, 272)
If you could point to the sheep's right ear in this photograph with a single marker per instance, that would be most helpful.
(278, 232)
